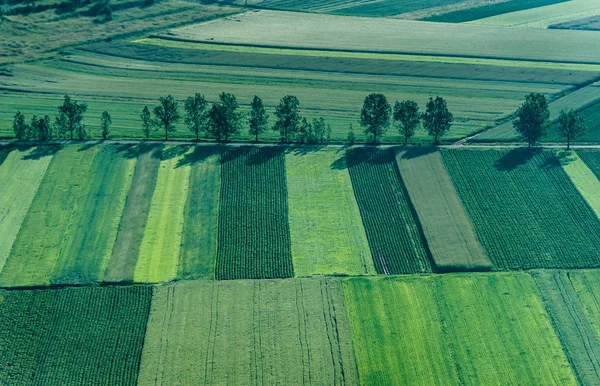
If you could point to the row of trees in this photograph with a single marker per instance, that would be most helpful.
(377, 115)
(533, 121)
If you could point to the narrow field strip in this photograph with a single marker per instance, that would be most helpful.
(158, 259)
(254, 235)
(200, 226)
(475, 329)
(122, 263)
(587, 287)
(20, 177)
(84, 258)
(391, 224)
(73, 336)
(591, 158)
(578, 338)
(51, 220)
(582, 177)
(248, 332)
(449, 232)
(517, 197)
(325, 225)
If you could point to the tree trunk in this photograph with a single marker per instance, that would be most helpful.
(568, 143)
(375, 136)
(257, 137)
(405, 140)
(197, 135)
(71, 131)
(166, 134)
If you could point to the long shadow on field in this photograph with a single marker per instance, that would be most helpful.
(41, 151)
(90, 145)
(174, 151)
(131, 150)
(560, 158)
(265, 154)
(515, 158)
(416, 152)
(199, 155)
(306, 149)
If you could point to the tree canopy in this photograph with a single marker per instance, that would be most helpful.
(288, 118)
(146, 122)
(533, 118)
(259, 118)
(70, 118)
(406, 113)
(571, 126)
(375, 115)
(437, 119)
(167, 114)
(195, 114)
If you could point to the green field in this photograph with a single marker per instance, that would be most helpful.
(454, 329)
(254, 234)
(582, 177)
(72, 336)
(519, 197)
(325, 225)
(248, 332)
(390, 221)
(446, 225)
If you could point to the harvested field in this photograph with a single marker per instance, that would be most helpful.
(199, 239)
(450, 235)
(578, 338)
(84, 257)
(496, 188)
(122, 263)
(51, 220)
(73, 336)
(20, 177)
(503, 9)
(295, 30)
(158, 259)
(478, 329)
(254, 235)
(393, 229)
(249, 332)
(325, 225)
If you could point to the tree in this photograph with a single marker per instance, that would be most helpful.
(20, 128)
(305, 131)
(217, 121)
(195, 114)
(351, 138)
(167, 114)
(105, 123)
(321, 132)
(375, 115)
(71, 118)
(60, 125)
(288, 117)
(406, 113)
(533, 118)
(232, 116)
(41, 128)
(437, 119)
(106, 11)
(146, 122)
(258, 118)
(571, 126)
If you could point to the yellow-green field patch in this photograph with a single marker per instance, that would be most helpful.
(584, 180)
(325, 224)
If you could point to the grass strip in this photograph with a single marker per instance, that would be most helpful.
(582, 177)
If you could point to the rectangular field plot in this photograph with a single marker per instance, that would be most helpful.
(476, 329)
(160, 246)
(199, 239)
(526, 211)
(84, 256)
(52, 219)
(391, 223)
(325, 225)
(76, 336)
(20, 176)
(583, 178)
(122, 263)
(286, 332)
(450, 235)
(254, 235)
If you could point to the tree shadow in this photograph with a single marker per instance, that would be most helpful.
(416, 152)
(565, 157)
(369, 154)
(131, 150)
(515, 158)
(306, 149)
(175, 151)
(261, 155)
(199, 155)
(89, 145)
(42, 151)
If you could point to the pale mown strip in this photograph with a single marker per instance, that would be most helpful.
(159, 251)
(587, 286)
(447, 227)
(584, 180)
(326, 229)
(244, 332)
(50, 219)
(543, 17)
(20, 177)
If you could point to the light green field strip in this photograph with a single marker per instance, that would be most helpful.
(543, 17)
(576, 100)
(242, 332)
(363, 55)
(327, 233)
(20, 176)
(471, 329)
(88, 249)
(51, 218)
(587, 286)
(447, 227)
(159, 251)
(578, 338)
(584, 180)
(200, 226)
